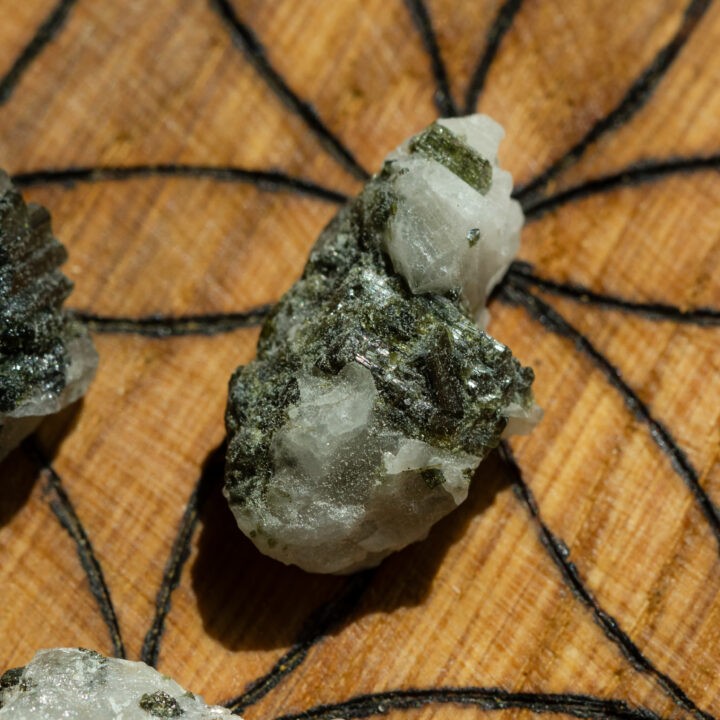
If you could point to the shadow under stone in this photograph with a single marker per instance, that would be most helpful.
(21, 468)
(17, 479)
(250, 601)
(55, 428)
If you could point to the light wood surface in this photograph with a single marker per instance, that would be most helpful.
(592, 567)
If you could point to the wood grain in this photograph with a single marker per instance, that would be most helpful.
(582, 576)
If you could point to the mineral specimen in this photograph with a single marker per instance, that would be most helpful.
(77, 684)
(375, 395)
(46, 359)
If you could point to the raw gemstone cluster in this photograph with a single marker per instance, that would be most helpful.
(376, 392)
(47, 359)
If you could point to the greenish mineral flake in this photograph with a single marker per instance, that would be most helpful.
(438, 143)
(11, 678)
(84, 685)
(375, 394)
(433, 477)
(160, 704)
(46, 358)
(473, 237)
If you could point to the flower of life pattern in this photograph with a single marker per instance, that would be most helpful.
(560, 313)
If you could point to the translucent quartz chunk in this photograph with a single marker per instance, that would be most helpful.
(76, 684)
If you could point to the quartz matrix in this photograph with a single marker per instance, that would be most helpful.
(77, 684)
(376, 393)
(46, 358)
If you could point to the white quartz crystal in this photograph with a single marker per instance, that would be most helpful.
(445, 234)
(76, 684)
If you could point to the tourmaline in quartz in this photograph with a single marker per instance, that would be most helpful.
(375, 393)
(46, 358)
(77, 684)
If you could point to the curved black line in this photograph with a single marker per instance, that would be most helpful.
(212, 473)
(633, 100)
(444, 101)
(522, 274)
(316, 628)
(559, 553)
(264, 179)
(487, 699)
(165, 326)
(554, 322)
(62, 507)
(246, 40)
(44, 35)
(639, 174)
(502, 23)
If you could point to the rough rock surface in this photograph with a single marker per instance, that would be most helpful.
(76, 684)
(375, 395)
(46, 359)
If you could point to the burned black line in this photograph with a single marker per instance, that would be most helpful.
(554, 322)
(44, 35)
(634, 100)
(180, 552)
(560, 553)
(63, 509)
(267, 180)
(521, 274)
(646, 172)
(316, 628)
(443, 98)
(167, 326)
(246, 40)
(500, 27)
(485, 699)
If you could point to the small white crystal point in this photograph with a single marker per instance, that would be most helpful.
(76, 684)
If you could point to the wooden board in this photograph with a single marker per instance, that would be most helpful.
(190, 151)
